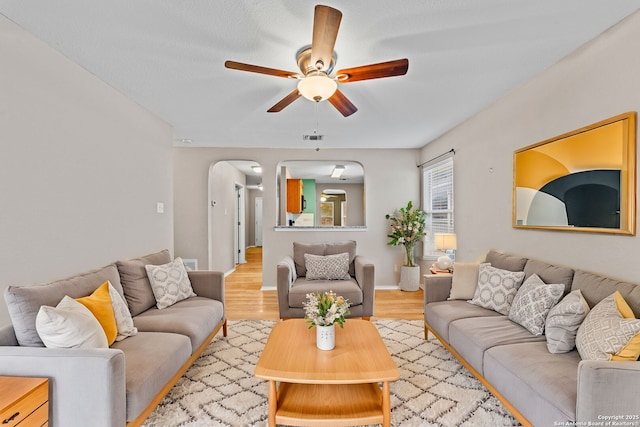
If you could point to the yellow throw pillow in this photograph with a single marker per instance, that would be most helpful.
(99, 303)
(631, 350)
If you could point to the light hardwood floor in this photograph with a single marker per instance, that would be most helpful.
(245, 299)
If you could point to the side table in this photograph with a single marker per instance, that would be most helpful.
(24, 401)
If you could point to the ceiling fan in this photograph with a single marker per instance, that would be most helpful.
(316, 62)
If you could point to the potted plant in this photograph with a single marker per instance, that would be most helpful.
(324, 310)
(407, 229)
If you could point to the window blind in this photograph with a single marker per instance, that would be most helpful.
(437, 200)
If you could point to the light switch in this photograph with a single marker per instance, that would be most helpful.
(160, 207)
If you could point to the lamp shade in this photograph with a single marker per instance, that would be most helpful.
(317, 87)
(444, 241)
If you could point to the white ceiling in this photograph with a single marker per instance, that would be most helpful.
(169, 55)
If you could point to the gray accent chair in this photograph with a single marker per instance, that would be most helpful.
(293, 285)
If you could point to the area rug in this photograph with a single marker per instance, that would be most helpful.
(434, 389)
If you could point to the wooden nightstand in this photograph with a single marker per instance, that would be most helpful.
(24, 401)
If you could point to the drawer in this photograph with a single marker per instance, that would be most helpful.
(12, 415)
(39, 417)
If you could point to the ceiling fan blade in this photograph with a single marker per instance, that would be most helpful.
(326, 23)
(260, 70)
(398, 67)
(342, 104)
(285, 102)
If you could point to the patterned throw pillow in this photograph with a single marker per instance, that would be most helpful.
(169, 282)
(496, 288)
(532, 303)
(330, 267)
(124, 322)
(610, 331)
(563, 322)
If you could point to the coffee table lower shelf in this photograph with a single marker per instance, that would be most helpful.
(330, 404)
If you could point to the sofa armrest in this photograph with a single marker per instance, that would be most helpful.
(285, 276)
(608, 389)
(209, 284)
(365, 276)
(437, 287)
(84, 384)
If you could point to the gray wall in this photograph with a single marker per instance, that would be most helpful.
(596, 82)
(81, 168)
(387, 189)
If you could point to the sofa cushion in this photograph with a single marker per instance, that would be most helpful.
(549, 273)
(299, 249)
(152, 359)
(595, 288)
(349, 246)
(70, 325)
(194, 317)
(439, 315)
(24, 302)
(609, 332)
(348, 289)
(328, 267)
(533, 301)
(169, 283)
(135, 282)
(506, 261)
(99, 304)
(540, 384)
(472, 337)
(496, 288)
(464, 280)
(563, 322)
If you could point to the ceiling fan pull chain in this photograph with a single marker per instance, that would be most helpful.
(316, 131)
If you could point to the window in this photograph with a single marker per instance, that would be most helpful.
(437, 199)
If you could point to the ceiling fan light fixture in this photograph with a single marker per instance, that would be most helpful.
(317, 87)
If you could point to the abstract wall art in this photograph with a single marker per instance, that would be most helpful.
(584, 180)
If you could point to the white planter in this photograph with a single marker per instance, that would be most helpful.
(326, 337)
(409, 278)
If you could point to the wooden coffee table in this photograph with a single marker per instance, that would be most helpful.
(340, 387)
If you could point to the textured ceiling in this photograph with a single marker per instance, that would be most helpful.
(169, 55)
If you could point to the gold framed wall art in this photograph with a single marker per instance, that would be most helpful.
(584, 180)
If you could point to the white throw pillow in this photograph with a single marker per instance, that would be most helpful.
(563, 322)
(329, 267)
(69, 325)
(496, 288)
(464, 281)
(124, 322)
(532, 303)
(169, 282)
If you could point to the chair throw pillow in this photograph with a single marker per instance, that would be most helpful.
(169, 282)
(496, 288)
(329, 267)
(563, 322)
(610, 331)
(69, 325)
(532, 303)
(464, 281)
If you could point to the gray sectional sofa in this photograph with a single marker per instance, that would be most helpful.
(120, 385)
(538, 387)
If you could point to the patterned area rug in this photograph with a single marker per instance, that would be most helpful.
(434, 389)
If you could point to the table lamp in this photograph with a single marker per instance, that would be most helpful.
(445, 242)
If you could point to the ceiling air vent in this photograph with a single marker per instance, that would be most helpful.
(312, 137)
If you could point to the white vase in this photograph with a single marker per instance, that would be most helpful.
(409, 278)
(326, 337)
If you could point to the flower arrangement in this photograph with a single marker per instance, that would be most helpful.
(325, 309)
(407, 228)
